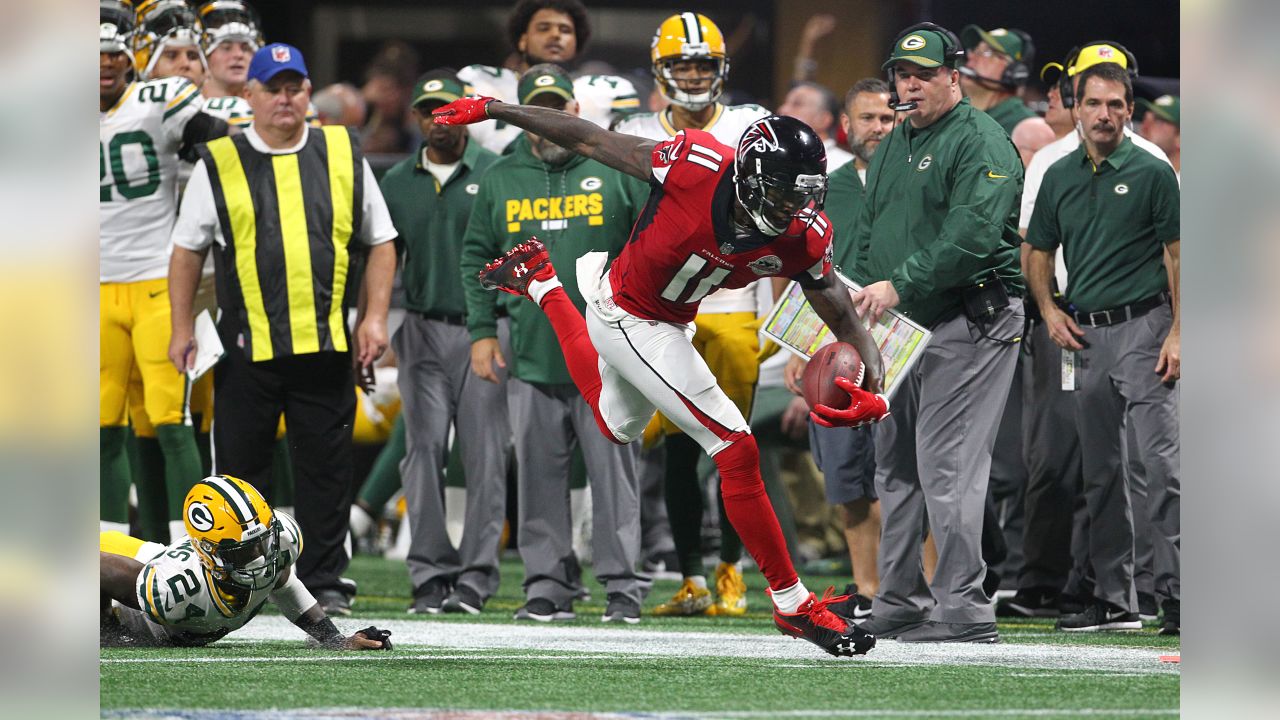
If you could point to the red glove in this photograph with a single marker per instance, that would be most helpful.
(866, 408)
(463, 111)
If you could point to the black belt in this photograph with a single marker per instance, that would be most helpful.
(1103, 318)
(445, 318)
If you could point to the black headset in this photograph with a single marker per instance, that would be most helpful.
(1066, 86)
(1018, 71)
(952, 53)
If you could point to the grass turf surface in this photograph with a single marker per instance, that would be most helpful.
(673, 667)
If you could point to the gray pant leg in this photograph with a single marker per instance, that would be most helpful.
(1009, 474)
(615, 504)
(1052, 448)
(427, 402)
(904, 595)
(485, 433)
(965, 381)
(655, 527)
(543, 436)
(1143, 548)
(1153, 413)
(1099, 418)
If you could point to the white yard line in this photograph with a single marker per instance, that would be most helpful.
(608, 642)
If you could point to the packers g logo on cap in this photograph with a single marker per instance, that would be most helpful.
(433, 85)
(912, 42)
(200, 517)
(544, 81)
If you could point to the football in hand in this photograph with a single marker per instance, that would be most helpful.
(819, 380)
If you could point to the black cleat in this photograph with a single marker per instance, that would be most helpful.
(813, 621)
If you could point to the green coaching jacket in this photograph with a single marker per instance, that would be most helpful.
(941, 213)
(576, 208)
(432, 219)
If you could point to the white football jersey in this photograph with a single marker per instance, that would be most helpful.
(234, 110)
(599, 98)
(727, 124)
(138, 142)
(180, 603)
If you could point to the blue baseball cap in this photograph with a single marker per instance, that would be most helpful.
(274, 59)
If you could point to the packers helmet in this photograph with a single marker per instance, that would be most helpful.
(684, 37)
(116, 26)
(161, 22)
(227, 20)
(234, 531)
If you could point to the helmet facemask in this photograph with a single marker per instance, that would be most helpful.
(252, 564)
(774, 200)
(169, 23)
(694, 102)
(229, 21)
(115, 29)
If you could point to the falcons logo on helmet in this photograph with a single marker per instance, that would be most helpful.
(759, 137)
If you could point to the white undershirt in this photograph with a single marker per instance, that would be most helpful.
(442, 172)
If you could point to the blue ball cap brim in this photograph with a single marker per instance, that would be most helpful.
(274, 59)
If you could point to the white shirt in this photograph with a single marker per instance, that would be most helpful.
(836, 155)
(198, 226)
(1034, 176)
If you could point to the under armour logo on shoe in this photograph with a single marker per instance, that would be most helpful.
(521, 270)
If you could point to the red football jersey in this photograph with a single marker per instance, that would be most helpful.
(683, 245)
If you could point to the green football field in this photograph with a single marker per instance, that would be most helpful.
(490, 666)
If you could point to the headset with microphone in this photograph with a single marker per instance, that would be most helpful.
(1065, 79)
(952, 53)
(1017, 72)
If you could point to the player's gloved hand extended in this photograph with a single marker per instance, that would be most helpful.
(370, 638)
(463, 111)
(866, 408)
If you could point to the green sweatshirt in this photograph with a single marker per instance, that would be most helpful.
(576, 208)
(941, 212)
(1009, 112)
(845, 195)
(431, 219)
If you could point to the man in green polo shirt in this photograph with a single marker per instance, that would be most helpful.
(939, 227)
(1162, 125)
(430, 195)
(996, 67)
(574, 206)
(1113, 207)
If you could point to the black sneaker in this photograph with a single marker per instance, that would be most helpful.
(885, 628)
(621, 608)
(334, 602)
(1172, 624)
(543, 610)
(851, 606)
(463, 599)
(1030, 603)
(1073, 604)
(1100, 616)
(813, 621)
(1148, 610)
(428, 598)
(940, 632)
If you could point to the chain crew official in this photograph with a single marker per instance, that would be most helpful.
(283, 203)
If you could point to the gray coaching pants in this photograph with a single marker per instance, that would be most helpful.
(548, 421)
(438, 389)
(933, 462)
(1117, 383)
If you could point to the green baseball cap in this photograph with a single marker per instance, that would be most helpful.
(442, 85)
(544, 78)
(1002, 40)
(1165, 107)
(925, 48)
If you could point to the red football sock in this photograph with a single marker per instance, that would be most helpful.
(749, 511)
(579, 354)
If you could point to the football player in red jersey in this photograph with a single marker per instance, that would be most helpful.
(717, 217)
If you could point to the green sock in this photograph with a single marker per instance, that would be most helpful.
(282, 474)
(113, 469)
(146, 459)
(384, 476)
(181, 464)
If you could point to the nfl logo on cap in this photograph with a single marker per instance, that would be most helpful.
(280, 54)
(1105, 52)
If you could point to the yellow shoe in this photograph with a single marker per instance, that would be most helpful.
(688, 600)
(731, 591)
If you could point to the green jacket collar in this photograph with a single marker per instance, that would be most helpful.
(962, 109)
(469, 154)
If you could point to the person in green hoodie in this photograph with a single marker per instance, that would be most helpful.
(937, 241)
(430, 196)
(575, 206)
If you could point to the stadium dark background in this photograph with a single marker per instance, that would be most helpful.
(339, 38)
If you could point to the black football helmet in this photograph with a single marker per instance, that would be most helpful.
(780, 171)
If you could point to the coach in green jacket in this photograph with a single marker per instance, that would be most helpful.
(575, 206)
(939, 225)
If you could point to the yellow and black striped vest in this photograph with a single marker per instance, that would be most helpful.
(288, 221)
